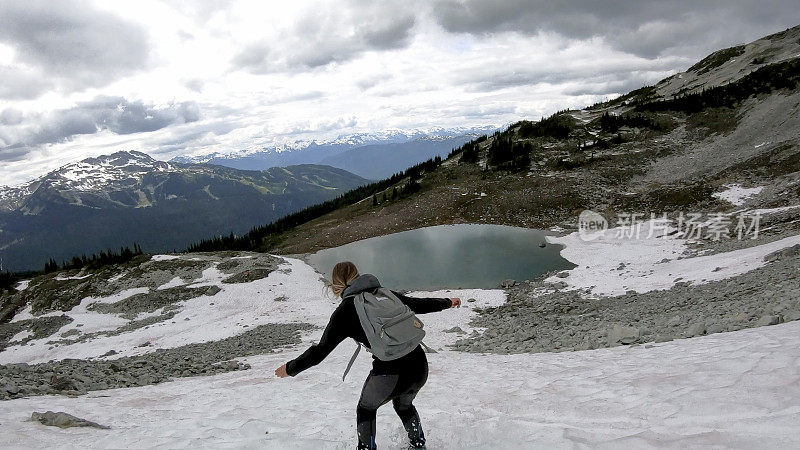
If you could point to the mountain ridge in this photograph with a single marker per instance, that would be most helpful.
(411, 146)
(113, 200)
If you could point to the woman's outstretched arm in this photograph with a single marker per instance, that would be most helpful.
(334, 334)
(423, 305)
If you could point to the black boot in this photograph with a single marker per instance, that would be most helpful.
(366, 446)
(416, 438)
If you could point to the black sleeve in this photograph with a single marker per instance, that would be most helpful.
(334, 333)
(424, 305)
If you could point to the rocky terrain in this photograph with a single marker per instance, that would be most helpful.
(78, 376)
(139, 295)
(538, 317)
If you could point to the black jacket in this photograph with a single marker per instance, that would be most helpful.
(344, 324)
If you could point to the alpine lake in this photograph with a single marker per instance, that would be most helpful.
(449, 257)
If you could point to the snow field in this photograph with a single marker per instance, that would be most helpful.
(611, 265)
(727, 390)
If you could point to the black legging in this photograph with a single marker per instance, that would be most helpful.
(378, 390)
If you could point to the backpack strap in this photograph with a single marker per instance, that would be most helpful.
(352, 360)
(426, 348)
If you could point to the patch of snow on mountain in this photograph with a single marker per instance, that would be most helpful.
(736, 194)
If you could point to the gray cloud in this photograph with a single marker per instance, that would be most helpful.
(647, 28)
(613, 75)
(195, 85)
(10, 116)
(323, 126)
(22, 84)
(114, 114)
(14, 153)
(323, 37)
(67, 45)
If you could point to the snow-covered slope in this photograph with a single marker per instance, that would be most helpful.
(106, 173)
(615, 263)
(728, 390)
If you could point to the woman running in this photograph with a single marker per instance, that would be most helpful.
(398, 380)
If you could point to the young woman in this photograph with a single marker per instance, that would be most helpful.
(399, 380)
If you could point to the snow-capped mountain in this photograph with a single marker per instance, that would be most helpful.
(126, 197)
(107, 173)
(423, 144)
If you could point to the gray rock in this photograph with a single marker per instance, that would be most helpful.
(623, 335)
(60, 383)
(768, 320)
(212, 290)
(696, 329)
(783, 253)
(716, 328)
(454, 330)
(508, 283)
(71, 332)
(64, 420)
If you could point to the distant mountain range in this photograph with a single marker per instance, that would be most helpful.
(128, 197)
(370, 155)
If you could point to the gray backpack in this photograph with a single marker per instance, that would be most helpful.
(392, 329)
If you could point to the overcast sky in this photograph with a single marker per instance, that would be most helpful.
(174, 77)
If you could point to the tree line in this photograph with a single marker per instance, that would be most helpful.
(765, 80)
(265, 237)
(103, 258)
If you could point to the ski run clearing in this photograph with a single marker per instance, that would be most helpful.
(727, 390)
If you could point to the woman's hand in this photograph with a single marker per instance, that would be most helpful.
(281, 371)
(455, 302)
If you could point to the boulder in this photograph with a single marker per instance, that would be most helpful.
(508, 283)
(768, 320)
(716, 328)
(696, 329)
(60, 383)
(623, 335)
(783, 253)
(64, 420)
(212, 290)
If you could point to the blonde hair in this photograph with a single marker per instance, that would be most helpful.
(342, 275)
